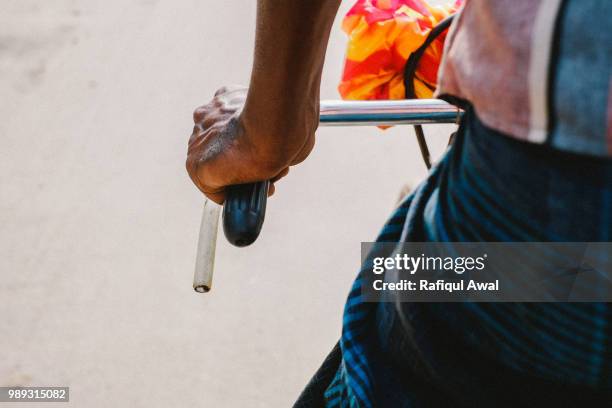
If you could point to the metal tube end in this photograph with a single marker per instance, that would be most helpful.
(202, 288)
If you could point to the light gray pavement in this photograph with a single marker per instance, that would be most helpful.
(99, 220)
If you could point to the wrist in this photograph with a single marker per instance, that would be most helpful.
(277, 134)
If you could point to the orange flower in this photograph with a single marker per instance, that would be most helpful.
(382, 35)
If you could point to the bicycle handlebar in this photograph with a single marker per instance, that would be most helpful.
(245, 204)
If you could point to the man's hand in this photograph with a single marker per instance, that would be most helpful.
(242, 137)
(225, 148)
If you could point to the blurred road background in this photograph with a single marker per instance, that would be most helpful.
(99, 220)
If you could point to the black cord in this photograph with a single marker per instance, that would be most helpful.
(413, 60)
(409, 74)
(420, 135)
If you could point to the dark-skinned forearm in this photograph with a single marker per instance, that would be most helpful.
(290, 44)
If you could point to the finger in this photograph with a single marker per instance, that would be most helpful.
(280, 175)
(192, 171)
(218, 198)
(200, 113)
(229, 88)
(209, 121)
(221, 91)
(214, 162)
(271, 190)
(196, 140)
(194, 134)
(215, 194)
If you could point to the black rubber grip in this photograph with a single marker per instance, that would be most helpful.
(244, 211)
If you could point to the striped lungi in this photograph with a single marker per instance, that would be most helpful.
(487, 188)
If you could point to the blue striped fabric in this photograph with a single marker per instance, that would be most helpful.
(487, 188)
(353, 384)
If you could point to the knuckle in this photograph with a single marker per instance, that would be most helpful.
(199, 114)
(221, 90)
(202, 111)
